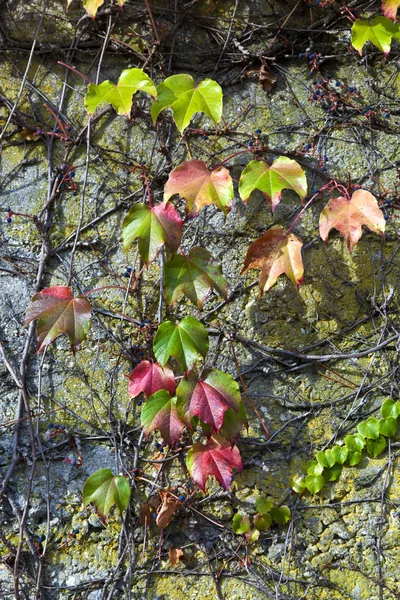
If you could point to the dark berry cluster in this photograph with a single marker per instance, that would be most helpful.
(313, 60)
(65, 179)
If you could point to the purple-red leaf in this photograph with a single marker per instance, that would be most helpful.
(208, 398)
(348, 216)
(275, 253)
(200, 187)
(149, 378)
(159, 412)
(58, 312)
(217, 458)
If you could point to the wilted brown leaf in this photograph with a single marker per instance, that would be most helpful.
(175, 555)
(167, 510)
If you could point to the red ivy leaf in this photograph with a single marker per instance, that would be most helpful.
(208, 398)
(348, 216)
(149, 378)
(217, 458)
(275, 253)
(58, 312)
(200, 187)
(159, 412)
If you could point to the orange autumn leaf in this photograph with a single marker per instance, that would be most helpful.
(275, 253)
(390, 8)
(199, 186)
(348, 217)
(175, 555)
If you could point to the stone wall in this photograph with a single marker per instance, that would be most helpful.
(341, 543)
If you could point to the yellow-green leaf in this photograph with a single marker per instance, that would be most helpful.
(184, 98)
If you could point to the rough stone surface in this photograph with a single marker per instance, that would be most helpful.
(341, 543)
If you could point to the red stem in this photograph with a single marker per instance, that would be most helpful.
(63, 64)
(148, 191)
(105, 287)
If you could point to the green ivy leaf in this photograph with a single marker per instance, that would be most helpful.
(355, 442)
(262, 522)
(390, 408)
(284, 173)
(103, 489)
(153, 227)
(119, 95)
(186, 341)
(194, 276)
(263, 505)
(297, 483)
(333, 473)
(388, 427)
(280, 515)
(353, 458)
(326, 459)
(314, 468)
(340, 453)
(375, 447)
(379, 32)
(184, 98)
(240, 524)
(314, 483)
(369, 428)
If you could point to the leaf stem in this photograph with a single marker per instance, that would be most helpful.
(63, 64)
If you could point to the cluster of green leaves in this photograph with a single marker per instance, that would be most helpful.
(267, 513)
(371, 436)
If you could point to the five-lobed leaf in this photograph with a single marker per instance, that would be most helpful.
(217, 458)
(180, 93)
(194, 276)
(390, 8)
(104, 489)
(186, 341)
(153, 227)
(149, 378)
(208, 398)
(58, 312)
(348, 216)
(379, 32)
(199, 186)
(119, 95)
(159, 412)
(275, 253)
(284, 173)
